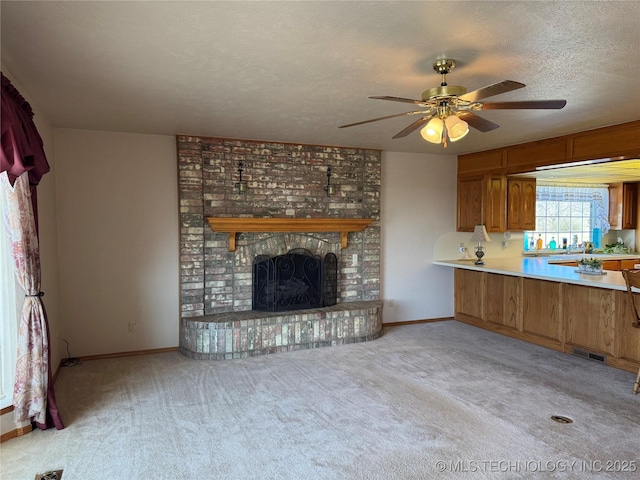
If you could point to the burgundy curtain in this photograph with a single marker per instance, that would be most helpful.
(22, 152)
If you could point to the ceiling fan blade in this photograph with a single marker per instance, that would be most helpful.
(383, 118)
(479, 123)
(491, 90)
(425, 103)
(531, 104)
(413, 127)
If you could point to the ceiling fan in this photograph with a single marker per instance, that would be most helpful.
(449, 109)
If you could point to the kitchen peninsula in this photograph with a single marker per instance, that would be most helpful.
(550, 305)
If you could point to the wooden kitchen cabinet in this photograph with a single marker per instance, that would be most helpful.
(623, 206)
(469, 292)
(607, 142)
(502, 300)
(528, 156)
(495, 207)
(588, 314)
(469, 208)
(612, 265)
(555, 315)
(482, 201)
(497, 203)
(627, 337)
(481, 162)
(541, 308)
(521, 204)
(629, 264)
(616, 142)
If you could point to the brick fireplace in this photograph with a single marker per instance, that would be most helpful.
(284, 181)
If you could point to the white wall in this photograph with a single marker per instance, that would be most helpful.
(418, 206)
(117, 240)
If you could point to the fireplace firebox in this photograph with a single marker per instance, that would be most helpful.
(297, 280)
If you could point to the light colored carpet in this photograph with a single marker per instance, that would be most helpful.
(387, 409)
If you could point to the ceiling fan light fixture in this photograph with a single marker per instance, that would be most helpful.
(456, 128)
(432, 132)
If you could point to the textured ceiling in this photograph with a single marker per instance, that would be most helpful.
(294, 71)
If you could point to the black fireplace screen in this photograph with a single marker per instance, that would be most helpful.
(296, 280)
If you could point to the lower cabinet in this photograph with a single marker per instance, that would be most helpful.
(627, 338)
(541, 308)
(556, 315)
(502, 304)
(589, 317)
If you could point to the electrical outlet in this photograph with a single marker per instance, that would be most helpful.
(132, 326)
(462, 248)
(354, 259)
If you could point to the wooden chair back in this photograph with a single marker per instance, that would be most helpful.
(632, 278)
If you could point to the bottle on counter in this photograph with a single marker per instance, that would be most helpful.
(539, 242)
(552, 243)
(564, 243)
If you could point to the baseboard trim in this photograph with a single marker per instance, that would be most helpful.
(126, 354)
(18, 432)
(6, 410)
(413, 322)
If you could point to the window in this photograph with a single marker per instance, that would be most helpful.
(10, 299)
(575, 214)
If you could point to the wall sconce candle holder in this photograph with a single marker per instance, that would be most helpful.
(241, 185)
(330, 189)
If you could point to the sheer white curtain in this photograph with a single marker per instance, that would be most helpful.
(11, 296)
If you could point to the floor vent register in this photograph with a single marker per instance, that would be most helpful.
(50, 475)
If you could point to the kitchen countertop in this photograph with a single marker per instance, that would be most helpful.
(539, 268)
(601, 256)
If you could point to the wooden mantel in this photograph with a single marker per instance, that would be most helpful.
(235, 225)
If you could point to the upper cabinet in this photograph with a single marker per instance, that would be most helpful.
(617, 142)
(482, 201)
(609, 142)
(526, 157)
(485, 196)
(623, 206)
(481, 162)
(521, 204)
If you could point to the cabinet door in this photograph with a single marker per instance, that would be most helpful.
(540, 308)
(469, 208)
(469, 292)
(521, 204)
(502, 300)
(481, 162)
(615, 206)
(528, 212)
(589, 315)
(514, 202)
(613, 141)
(495, 197)
(628, 264)
(629, 206)
(627, 336)
(611, 265)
